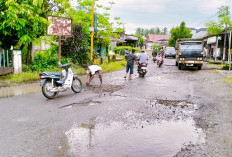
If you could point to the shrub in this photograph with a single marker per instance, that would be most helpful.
(77, 46)
(121, 49)
(47, 60)
(157, 48)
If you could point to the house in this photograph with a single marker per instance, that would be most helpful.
(214, 46)
(198, 33)
(128, 40)
(159, 40)
(124, 40)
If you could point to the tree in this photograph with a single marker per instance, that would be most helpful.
(165, 31)
(76, 46)
(21, 22)
(224, 21)
(152, 31)
(177, 33)
(82, 15)
(138, 31)
(141, 40)
(157, 30)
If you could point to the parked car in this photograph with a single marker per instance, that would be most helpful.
(170, 52)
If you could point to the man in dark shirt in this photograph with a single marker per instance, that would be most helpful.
(131, 58)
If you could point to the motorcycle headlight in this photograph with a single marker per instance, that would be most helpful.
(182, 59)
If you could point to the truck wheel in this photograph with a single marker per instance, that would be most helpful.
(176, 63)
(179, 67)
(199, 68)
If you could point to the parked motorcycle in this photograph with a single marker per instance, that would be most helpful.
(160, 61)
(52, 83)
(142, 69)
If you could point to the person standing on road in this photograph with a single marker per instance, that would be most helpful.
(91, 71)
(131, 58)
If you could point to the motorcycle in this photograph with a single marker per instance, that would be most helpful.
(160, 61)
(142, 69)
(52, 83)
(154, 59)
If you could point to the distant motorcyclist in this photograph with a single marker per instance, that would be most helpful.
(154, 54)
(160, 56)
(161, 53)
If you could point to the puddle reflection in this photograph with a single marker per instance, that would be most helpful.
(19, 90)
(160, 139)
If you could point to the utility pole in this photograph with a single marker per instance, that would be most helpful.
(216, 49)
(224, 50)
(92, 33)
(229, 54)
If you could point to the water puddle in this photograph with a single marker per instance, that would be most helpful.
(88, 103)
(163, 139)
(19, 90)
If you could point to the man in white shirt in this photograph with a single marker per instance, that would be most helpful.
(143, 57)
(91, 71)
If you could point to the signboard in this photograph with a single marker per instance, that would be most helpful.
(59, 26)
(212, 40)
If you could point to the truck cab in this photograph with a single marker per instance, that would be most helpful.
(189, 53)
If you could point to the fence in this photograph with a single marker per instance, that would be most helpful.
(5, 67)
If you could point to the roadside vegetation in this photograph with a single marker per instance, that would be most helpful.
(31, 73)
(224, 66)
(229, 79)
(31, 31)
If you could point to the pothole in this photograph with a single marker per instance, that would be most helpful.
(104, 88)
(180, 103)
(163, 139)
(86, 103)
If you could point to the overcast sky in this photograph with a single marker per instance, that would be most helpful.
(164, 13)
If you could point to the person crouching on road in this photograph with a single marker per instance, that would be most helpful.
(91, 71)
(131, 58)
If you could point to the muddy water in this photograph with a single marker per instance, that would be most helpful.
(19, 90)
(161, 139)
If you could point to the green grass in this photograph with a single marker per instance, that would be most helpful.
(31, 76)
(22, 77)
(217, 63)
(229, 79)
(112, 66)
(79, 70)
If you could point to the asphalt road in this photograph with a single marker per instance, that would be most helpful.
(167, 113)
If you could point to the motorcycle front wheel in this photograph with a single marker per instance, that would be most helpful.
(45, 90)
(76, 85)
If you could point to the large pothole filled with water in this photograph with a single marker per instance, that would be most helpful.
(165, 138)
(160, 128)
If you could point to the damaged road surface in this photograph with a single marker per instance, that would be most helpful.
(167, 113)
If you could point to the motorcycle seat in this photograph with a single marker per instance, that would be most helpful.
(60, 82)
(52, 73)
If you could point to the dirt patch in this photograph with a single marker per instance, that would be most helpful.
(180, 103)
(104, 88)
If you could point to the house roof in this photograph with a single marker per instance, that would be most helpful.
(156, 38)
(131, 37)
(202, 29)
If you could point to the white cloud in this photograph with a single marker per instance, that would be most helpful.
(163, 13)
